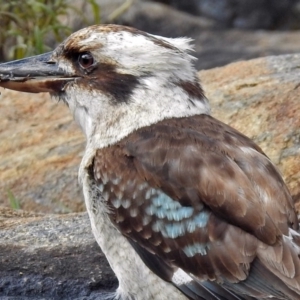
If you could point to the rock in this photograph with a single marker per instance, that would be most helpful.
(55, 256)
(41, 148)
(163, 20)
(246, 14)
(217, 48)
(51, 257)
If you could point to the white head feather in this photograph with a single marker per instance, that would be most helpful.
(161, 66)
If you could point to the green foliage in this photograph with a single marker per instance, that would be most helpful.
(95, 10)
(13, 201)
(25, 25)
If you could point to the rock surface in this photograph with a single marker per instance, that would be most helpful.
(40, 151)
(250, 14)
(51, 257)
(55, 256)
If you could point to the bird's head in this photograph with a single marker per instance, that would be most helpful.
(114, 79)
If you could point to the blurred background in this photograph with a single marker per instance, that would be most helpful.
(40, 145)
(224, 30)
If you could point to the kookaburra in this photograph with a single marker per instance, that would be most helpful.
(182, 205)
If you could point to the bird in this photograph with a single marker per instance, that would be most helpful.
(182, 205)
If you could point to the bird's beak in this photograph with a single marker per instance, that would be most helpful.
(36, 74)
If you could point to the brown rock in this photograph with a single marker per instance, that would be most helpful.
(40, 151)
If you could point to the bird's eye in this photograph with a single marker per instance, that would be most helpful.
(86, 60)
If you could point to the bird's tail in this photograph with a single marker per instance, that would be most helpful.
(275, 272)
(208, 290)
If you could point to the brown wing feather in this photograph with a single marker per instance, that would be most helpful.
(223, 168)
(226, 198)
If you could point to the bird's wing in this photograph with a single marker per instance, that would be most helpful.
(198, 196)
